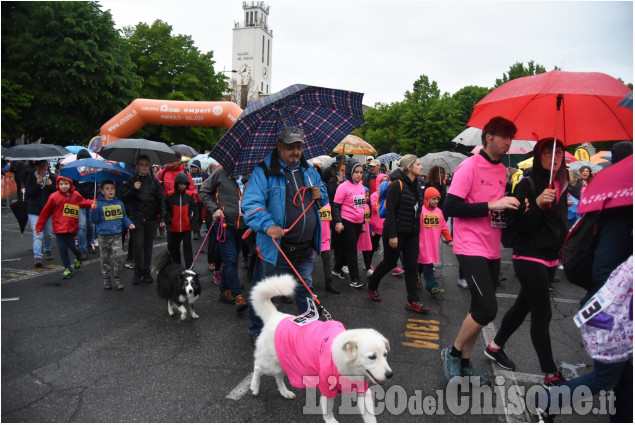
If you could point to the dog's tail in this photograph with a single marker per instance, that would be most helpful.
(268, 288)
(162, 260)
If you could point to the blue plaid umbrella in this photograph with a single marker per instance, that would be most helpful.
(325, 115)
(387, 157)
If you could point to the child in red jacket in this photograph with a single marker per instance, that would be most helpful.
(64, 205)
(180, 211)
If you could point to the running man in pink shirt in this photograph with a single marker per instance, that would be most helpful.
(477, 201)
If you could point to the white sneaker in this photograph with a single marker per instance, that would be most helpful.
(369, 272)
(345, 269)
(462, 283)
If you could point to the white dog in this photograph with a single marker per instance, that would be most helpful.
(284, 347)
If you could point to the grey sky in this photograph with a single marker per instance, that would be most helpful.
(381, 47)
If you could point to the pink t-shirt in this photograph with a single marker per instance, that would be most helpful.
(478, 180)
(432, 223)
(353, 199)
(304, 353)
(364, 243)
(325, 221)
(376, 222)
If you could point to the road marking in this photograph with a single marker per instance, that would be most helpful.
(11, 299)
(17, 275)
(489, 332)
(558, 300)
(421, 333)
(241, 389)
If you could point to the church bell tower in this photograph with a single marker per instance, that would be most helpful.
(252, 51)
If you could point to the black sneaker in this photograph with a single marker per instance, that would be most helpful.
(136, 279)
(338, 274)
(147, 277)
(499, 357)
(553, 381)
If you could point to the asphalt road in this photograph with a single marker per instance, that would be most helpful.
(72, 352)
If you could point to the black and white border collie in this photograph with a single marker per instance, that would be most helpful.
(176, 285)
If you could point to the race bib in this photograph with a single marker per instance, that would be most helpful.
(112, 212)
(71, 210)
(325, 213)
(498, 219)
(431, 220)
(359, 201)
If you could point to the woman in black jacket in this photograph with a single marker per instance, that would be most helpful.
(39, 185)
(401, 231)
(541, 223)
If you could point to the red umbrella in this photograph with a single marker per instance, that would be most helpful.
(610, 188)
(588, 107)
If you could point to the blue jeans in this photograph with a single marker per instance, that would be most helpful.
(66, 241)
(264, 269)
(229, 250)
(429, 277)
(44, 239)
(85, 235)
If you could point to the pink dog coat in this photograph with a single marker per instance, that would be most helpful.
(304, 353)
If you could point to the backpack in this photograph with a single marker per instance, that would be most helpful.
(509, 232)
(381, 200)
(578, 250)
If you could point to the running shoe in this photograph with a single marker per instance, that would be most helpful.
(553, 381)
(462, 283)
(451, 364)
(470, 371)
(374, 295)
(369, 272)
(338, 274)
(78, 263)
(345, 270)
(241, 304)
(435, 292)
(499, 357)
(129, 264)
(356, 284)
(397, 271)
(67, 274)
(417, 307)
(227, 297)
(218, 277)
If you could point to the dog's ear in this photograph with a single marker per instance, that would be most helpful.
(351, 348)
(387, 345)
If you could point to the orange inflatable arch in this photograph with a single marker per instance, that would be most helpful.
(168, 112)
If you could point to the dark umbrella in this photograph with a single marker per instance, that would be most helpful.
(128, 150)
(185, 150)
(34, 151)
(387, 157)
(19, 210)
(325, 115)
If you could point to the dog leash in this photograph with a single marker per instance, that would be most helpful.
(221, 234)
(201, 247)
(302, 193)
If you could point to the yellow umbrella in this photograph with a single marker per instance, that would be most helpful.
(523, 165)
(353, 145)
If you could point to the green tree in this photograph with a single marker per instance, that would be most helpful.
(381, 126)
(173, 68)
(518, 70)
(466, 98)
(65, 69)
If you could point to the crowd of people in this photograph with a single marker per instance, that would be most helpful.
(287, 211)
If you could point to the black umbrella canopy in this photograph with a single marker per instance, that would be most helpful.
(185, 150)
(128, 150)
(19, 210)
(34, 151)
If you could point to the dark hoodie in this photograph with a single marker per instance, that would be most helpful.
(180, 207)
(541, 233)
(64, 207)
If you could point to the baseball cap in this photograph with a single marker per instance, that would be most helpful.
(374, 163)
(370, 157)
(291, 135)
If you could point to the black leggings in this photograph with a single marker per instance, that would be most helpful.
(481, 275)
(408, 244)
(347, 254)
(533, 298)
(368, 255)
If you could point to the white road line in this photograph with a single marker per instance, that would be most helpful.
(489, 332)
(558, 300)
(11, 299)
(241, 389)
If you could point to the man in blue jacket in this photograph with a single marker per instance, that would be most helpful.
(269, 208)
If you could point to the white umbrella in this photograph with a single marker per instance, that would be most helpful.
(471, 136)
(448, 160)
(73, 157)
(320, 159)
(579, 164)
